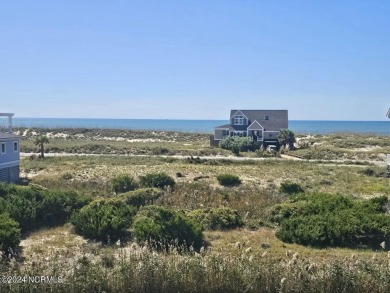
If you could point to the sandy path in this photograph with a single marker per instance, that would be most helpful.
(232, 158)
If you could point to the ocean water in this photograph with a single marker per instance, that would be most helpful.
(200, 126)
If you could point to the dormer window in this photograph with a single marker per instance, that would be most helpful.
(239, 120)
(266, 117)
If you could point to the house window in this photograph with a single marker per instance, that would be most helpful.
(3, 149)
(266, 117)
(239, 120)
(16, 146)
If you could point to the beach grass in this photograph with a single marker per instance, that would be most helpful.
(250, 258)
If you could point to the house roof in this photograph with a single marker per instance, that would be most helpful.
(277, 118)
(233, 127)
(8, 135)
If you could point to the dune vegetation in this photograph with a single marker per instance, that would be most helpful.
(141, 211)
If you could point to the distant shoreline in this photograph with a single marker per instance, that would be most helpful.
(198, 126)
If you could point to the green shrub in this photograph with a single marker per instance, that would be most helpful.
(239, 143)
(290, 188)
(34, 207)
(333, 220)
(141, 197)
(57, 207)
(217, 218)
(104, 219)
(228, 180)
(162, 227)
(367, 172)
(286, 138)
(9, 233)
(159, 180)
(123, 183)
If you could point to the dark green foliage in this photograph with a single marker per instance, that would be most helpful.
(195, 160)
(290, 188)
(34, 207)
(57, 207)
(123, 183)
(159, 180)
(104, 219)
(228, 180)
(163, 227)
(141, 197)
(217, 218)
(9, 233)
(368, 172)
(333, 220)
(286, 137)
(239, 143)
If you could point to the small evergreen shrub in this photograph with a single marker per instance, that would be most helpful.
(323, 220)
(35, 206)
(9, 233)
(367, 172)
(141, 197)
(228, 180)
(162, 227)
(159, 180)
(290, 188)
(217, 218)
(104, 219)
(123, 183)
(239, 143)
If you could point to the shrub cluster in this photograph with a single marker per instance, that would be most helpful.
(228, 180)
(141, 197)
(104, 219)
(162, 227)
(123, 183)
(290, 188)
(159, 180)
(333, 220)
(9, 233)
(240, 143)
(216, 218)
(33, 207)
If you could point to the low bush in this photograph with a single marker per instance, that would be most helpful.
(162, 227)
(290, 188)
(123, 183)
(141, 197)
(239, 143)
(323, 220)
(9, 233)
(34, 207)
(367, 172)
(228, 180)
(159, 180)
(216, 218)
(104, 219)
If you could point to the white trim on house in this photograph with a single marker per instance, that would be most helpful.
(242, 114)
(221, 128)
(9, 164)
(257, 123)
(1, 148)
(16, 143)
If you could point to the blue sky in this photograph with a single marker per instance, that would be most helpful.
(325, 60)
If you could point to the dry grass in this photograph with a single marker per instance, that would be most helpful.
(222, 267)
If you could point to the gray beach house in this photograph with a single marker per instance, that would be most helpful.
(9, 152)
(262, 125)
